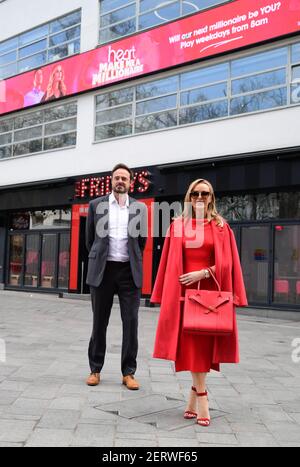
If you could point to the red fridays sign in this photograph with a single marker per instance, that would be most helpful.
(228, 27)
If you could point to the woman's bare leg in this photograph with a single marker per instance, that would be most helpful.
(192, 402)
(200, 384)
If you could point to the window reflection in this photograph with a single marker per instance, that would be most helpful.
(29, 43)
(16, 260)
(32, 125)
(254, 83)
(48, 261)
(57, 218)
(118, 18)
(255, 262)
(64, 261)
(32, 260)
(258, 101)
(260, 206)
(287, 264)
(248, 85)
(259, 62)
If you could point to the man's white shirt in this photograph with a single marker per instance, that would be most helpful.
(118, 230)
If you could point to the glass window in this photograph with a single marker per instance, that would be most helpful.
(8, 70)
(32, 62)
(296, 53)
(50, 128)
(146, 5)
(30, 119)
(5, 151)
(59, 127)
(259, 101)
(218, 91)
(9, 45)
(193, 6)
(203, 112)
(156, 121)
(259, 62)
(118, 16)
(30, 133)
(5, 139)
(61, 141)
(8, 58)
(157, 88)
(33, 48)
(203, 94)
(59, 112)
(295, 94)
(63, 51)
(109, 5)
(37, 220)
(261, 206)
(196, 78)
(112, 115)
(118, 30)
(30, 50)
(65, 22)
(6, 125)
(114, 98)
(160, 15)
(28, 148)
(261, 81)
(155, 105)
(147, 13)
(65, 36)
(33, 35)
(113, 130)
(287, 273)
(296, 73)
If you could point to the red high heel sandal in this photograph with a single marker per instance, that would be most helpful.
(189, 414)
(203, 421)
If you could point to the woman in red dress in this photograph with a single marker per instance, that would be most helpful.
(198, 240)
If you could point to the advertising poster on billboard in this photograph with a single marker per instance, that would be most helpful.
(229, 27)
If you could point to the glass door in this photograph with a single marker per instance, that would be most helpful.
(39, 260)
(48, 265)
(255, 257)
(286, 284)
(32, 260)
(64, 261)
(16, 248)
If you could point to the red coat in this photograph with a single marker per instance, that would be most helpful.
(168, 290)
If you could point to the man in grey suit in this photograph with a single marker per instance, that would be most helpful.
(116, 235)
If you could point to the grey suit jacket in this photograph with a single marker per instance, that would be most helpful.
(97, 239)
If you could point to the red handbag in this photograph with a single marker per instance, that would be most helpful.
(208, 312)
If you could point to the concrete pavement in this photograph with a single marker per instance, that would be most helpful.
(44, 400)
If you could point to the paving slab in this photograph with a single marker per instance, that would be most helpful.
(44, 400)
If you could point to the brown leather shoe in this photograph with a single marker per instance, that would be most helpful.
(93, 379)
(131, 383)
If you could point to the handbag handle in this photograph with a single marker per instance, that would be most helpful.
(215, 279)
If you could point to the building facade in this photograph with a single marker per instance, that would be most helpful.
(219, 99)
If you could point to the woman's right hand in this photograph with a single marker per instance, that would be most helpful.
(191, 277)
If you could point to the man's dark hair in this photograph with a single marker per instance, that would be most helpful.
(123, 166)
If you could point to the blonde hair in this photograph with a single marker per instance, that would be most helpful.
(212, 213)
(62, 87)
